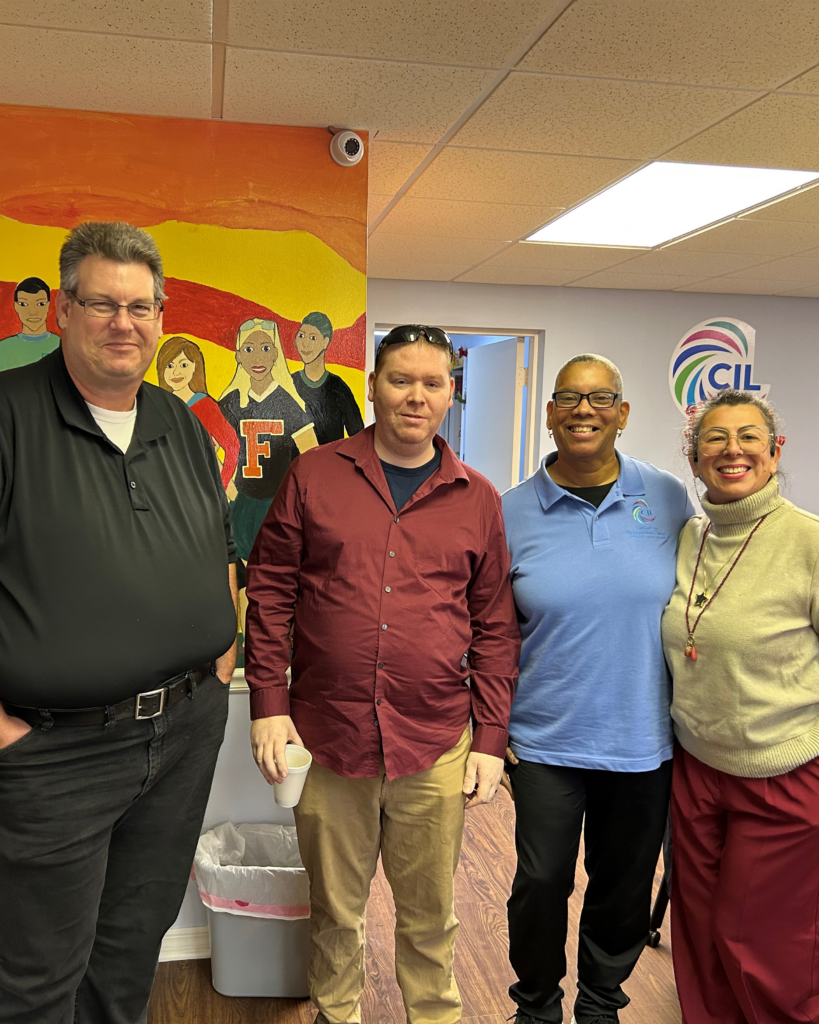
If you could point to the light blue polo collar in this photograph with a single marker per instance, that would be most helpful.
(630, 481)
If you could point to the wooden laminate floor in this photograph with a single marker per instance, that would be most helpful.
(183, 993)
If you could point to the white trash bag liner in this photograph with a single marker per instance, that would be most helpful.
(252, 870)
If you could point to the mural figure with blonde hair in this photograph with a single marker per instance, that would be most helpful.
(268, 416)
(180, 368)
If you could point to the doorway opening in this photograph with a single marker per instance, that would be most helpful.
(494, 422)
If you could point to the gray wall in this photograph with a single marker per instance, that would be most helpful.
(638, 330)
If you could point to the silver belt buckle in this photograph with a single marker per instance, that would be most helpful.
(163, 693)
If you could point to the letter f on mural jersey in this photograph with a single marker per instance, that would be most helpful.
(253, 430)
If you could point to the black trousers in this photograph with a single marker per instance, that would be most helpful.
(625, 817)
(98, 828)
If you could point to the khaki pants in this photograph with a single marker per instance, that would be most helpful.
(416, 824)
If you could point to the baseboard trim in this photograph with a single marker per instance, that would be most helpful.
(185, 944)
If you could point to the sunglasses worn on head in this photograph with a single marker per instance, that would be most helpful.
(265, 325)
(410, 333)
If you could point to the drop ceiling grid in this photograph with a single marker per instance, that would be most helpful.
(783, 76)
(418, 184)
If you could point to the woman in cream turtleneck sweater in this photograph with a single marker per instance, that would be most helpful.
(740, 638)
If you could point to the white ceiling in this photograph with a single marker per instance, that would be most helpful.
(489, 117)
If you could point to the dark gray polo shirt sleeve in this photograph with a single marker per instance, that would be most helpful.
(112, 566)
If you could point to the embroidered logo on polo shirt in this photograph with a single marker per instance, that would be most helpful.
(644, 516)
(642, 513)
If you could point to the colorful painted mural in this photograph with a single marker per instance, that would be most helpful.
(263, 239)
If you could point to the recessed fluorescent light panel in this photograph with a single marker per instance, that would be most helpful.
(665, 200)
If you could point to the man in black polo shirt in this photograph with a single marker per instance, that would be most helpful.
(117, 624)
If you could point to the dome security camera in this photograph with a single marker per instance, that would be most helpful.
(346, 148)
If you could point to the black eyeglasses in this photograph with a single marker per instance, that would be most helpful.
(106, 310)
(596, 399)
(410, 333)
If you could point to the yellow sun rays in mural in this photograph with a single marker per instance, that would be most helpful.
(290, 272)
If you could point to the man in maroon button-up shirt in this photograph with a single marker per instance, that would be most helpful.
(388, 558)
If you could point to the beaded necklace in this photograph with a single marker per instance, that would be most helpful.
(690, 648)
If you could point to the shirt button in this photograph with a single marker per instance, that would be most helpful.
(378, 701)
(388, 590)
(397, 519)
(381, 664)
(384, 626)
(133, 483)
(392, 554)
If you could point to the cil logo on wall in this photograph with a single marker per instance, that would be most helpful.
(715, 355)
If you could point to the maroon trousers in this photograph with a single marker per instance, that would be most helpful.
(745, 894)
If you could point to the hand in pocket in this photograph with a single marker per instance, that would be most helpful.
(11, 729)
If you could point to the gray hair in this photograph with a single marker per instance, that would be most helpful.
(117, 241)
(731, 397)
(591, 357)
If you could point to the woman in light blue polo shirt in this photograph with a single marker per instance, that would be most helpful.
(593, 543)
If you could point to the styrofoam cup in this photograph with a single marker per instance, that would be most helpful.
(288, 793)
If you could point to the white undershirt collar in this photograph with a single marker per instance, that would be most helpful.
(117, 426)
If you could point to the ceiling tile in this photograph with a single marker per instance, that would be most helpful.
(406, 102)
(375, 204)
(810, 293)
(182, 19)
(412, 269)
(791, 268)
(497, 176)
(126, 74)
(489, 273)
(577, 259)
(703, 264)
(413, 216)
(592, 117)
(478, 32)
(804, 206)
(754, 238)
(391, 163)
(777, 131)
(733, 286)
(806, 84)
(420, 248)
(732, 43)
(616, 279)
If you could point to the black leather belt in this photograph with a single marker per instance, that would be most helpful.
(150, 704)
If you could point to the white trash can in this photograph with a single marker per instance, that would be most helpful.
(255, 890)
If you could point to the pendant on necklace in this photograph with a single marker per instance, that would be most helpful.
(690, 649)
(701, 599)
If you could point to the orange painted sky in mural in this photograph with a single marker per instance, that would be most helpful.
(294, 183)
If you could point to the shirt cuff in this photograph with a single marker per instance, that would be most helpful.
(267, 701)
(489, 739)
